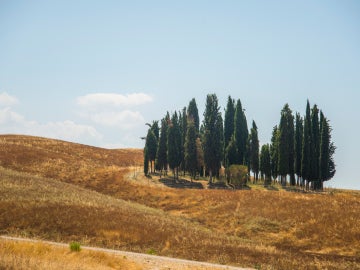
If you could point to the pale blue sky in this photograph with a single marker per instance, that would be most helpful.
(154, 56)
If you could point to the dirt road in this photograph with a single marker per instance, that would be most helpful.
(150, 262)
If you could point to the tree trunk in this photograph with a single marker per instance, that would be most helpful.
(210, 176)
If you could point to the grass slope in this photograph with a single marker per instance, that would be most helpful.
(105, 205)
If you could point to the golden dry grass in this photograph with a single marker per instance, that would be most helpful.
(22, 255)
(256, 228)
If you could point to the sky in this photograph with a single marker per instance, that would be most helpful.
(94, 72)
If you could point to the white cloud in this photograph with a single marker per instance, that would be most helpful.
(100, 99)
(9, 116)
(13, 122)
(7, 100)
(124, 119)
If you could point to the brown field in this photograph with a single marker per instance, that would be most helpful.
(66, 192)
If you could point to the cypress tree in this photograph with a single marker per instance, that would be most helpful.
(146, 162)
(231, 153)
(327, 150)
(212, 135)
(151, 146)
(274, 152)
(286, 145)
(161, 154)
(193, 113)
(241, 133)
(229, 121)
(183, 129)
(306, 146)
(190, 149)
(174, 145)
(315, 148)
(299, 128)
(254, 150)
(265, 163)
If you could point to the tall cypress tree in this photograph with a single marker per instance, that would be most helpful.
(174, 145)
(151, 147)
(229, 121)
(161, 154)
(212, 141)
(274, 152)
(193, 113)
(306, 146)
(254, 150)
(241, 133)
(286, 145)
(190, 149)
(183, 129)
(299, 128)
(327, 150)
(315, 148)
(265, 163)
(146, 162)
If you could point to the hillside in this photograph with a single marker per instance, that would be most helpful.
(255, 228)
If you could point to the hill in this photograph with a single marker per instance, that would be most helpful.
(255, 228)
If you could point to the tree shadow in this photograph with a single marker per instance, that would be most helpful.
(273, 188)
(180, 183)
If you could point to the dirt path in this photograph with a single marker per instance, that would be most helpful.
(150, 262)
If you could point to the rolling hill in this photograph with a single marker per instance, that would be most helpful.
(62, 191)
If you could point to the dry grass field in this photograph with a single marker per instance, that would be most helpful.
(66, 192)
(25, 256)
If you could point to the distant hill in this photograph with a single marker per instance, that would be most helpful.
(70, 162)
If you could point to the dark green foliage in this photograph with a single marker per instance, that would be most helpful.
(190, 149)
(265, 163)
(315, 147)
(327, 150)
(212, 135)
(254, 150)
(193, 113)
(286, 145)
(274, 152)
(299, 128)
(151, 146)
(231, 153)
(241, 133)
(306, 145)
(199, 155)
(229, 121)
(161, 154)
(174, 146)
(183, 129)
(146, 162)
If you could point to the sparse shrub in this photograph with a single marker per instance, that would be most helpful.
(237, 175)
(151, 251)
(75, 246)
